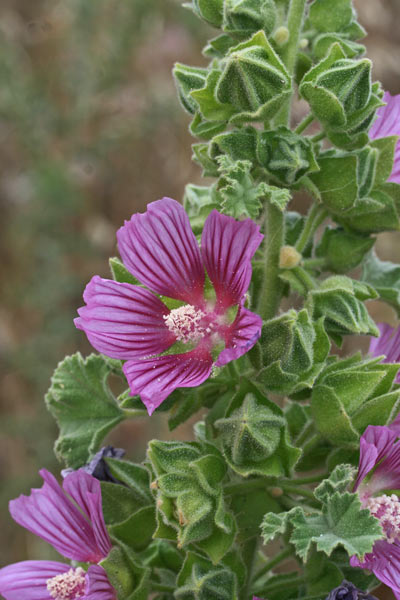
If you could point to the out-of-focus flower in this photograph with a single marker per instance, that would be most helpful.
(387, 344)
(98, 467)
(71, 519)
(348, 591)
(211, 324)
(378, 471)
(387, 123)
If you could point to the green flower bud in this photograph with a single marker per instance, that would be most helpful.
(281, 36)
(199, 579)
(209, 10)
(254, 81)
(189, 495)
(254, 437)
(324, 17)
(342, 97)
(286, 155)
(294, 352)
(245, 17)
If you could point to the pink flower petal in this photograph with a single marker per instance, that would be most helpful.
(27, 580)
(51, 515)
(375, 443)
(160, 249)
(122, 320)
(227, 247)
(98, 586)
(384, 562)
(85, 490)
(387, 123)
(154, 379)
(241, 336)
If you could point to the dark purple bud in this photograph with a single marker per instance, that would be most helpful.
(348, 591)
(98, 467)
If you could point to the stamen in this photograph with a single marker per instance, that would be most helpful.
(67, 586)
(387, 510)
(185, 323)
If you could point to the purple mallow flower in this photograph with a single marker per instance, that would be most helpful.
(98, 467)
(387, 344)
(386, 124)
(379, 471)
(132, 323)
(71, 519)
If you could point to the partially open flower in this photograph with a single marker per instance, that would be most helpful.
(387, 344)
(348, 591)
(131, 323)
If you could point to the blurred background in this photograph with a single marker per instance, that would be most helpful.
(90, 132)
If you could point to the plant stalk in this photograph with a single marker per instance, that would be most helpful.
(278, 558)
(315, 217)
(272, 286)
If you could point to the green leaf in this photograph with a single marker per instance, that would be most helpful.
(130, 581)
(337, 182)
(322, 574)
(136, 477)
(120, 273)
(274, 524)
(239, 144)
(323, 18)
(339, 481)
(379, 212)
(384, 276)
(386, 148)
(119, 502)
(137, 531)
(343, 522)
(209, 10)
(331, 419)
(239, 195)
(336, 300)
(342, 250)
(188, 79)
(210, 106)
(83, 406)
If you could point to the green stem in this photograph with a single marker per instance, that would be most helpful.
(249, 554)
(233, 370)
(314, 263)
(305, 434)
(318, 137)
(305, 279)
(278, 558)
(311, 479)
(243, 487)
(298, 491)
(315, 217)
(272, 286)
(160, 587)
(289, 53)
(302, 126)
(284, 585)
(134, 413)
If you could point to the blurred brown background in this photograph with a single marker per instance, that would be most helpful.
(90, 131)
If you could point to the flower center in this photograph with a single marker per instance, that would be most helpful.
(387, 510)
(187, 323)
(67, 586)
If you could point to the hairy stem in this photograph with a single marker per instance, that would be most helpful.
(315, 217)
(249, 555)
(278, 558)
(272, 286)
(302, 126)
(289, 53)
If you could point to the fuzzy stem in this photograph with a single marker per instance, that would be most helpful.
(249, 554)
(289, 488)
(272, 286)
(278, 558)
(302, 126)
(314, 263)
(289, 53)
(284, 585)
(134, 413)
(315, 217)
(243, 487)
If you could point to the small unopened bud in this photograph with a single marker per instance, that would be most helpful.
(281, 35)
(289, 257)
(154, 485)
(303, 43)
(276, 492)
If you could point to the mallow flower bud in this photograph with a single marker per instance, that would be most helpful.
(245, 17)
(208, 10)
